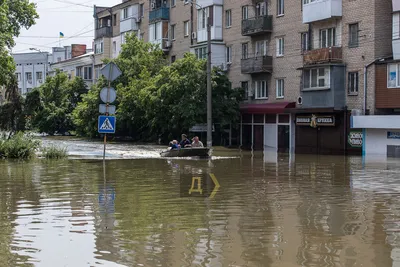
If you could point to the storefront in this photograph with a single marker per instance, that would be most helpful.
(381, 134)
(267, 126)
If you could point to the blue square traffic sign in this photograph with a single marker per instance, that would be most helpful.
(106, 124)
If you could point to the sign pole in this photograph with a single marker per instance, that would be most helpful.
(108, 100)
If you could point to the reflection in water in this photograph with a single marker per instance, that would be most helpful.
(271, 210)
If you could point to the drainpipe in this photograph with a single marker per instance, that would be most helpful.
(365, 86)
(191, 24)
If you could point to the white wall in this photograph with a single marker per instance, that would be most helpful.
(376, 122)
(322, 9)
(376, 141)
(205, 3)
(396, 5)
(271, 136)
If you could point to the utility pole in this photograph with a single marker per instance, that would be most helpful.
(209, 89)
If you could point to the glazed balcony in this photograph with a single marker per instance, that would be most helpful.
(257, 65)
(161, 13)
(103, 32)
(257, 26)
(396, 5)
(318, 10)
(323, 55)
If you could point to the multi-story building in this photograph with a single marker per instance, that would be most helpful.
(305, 66)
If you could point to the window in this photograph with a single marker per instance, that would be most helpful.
(260, 10)
(261, 89)
(172, 32)
(141, 10)
(327, 37)
(186, 28)
(115, 20)
(245, 51)
(98, 47)
(280, 88)
(280, 47)
(173, 58)
(353, 35)
(245, 87)
(18, 76)
(84, 72)
(202, 18)
(245, 12)
(304, 41)
(260, 48)
(316, 78)
(353, 83)
(228, 18)
(228, 54)
(29, 76)
(201, 53)
(305, 2)
(39, 75)
(173, 3)
(393, 76)
(125, 13)
(115, 47)
(281, 8)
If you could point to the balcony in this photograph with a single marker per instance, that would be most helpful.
(396, 49)
(256, 26)
(256, 65)
(321, 10)
(161, 13)
(396, 5)
(323, 55)
(163, 43)
(103, 32)
(129, 24)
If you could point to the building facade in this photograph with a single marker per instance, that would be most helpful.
(306, 66)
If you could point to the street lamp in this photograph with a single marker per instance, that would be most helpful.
(209, 90)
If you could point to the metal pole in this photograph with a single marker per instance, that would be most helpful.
(209, 89)
(108, 100)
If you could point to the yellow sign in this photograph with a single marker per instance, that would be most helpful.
(198, 190)
(215, 181)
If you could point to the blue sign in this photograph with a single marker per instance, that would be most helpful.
(106, 124)
(393, 135)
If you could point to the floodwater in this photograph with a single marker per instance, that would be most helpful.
(135, 209)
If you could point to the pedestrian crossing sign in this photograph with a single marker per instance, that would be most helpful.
(106, 124)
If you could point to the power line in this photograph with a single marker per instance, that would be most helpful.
(73, 3)
(88, 36)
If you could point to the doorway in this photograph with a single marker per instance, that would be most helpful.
(283, 138)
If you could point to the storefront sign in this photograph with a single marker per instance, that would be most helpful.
(315, 121)
(393, 135)
(355, 139)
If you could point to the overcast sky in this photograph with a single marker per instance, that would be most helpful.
(74, 18)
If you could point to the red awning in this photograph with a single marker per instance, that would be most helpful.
(278, 107)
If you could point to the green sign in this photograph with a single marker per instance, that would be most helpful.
(355, 139)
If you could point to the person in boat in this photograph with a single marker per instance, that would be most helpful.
(196, 142)
(174, 145)
(185, 141)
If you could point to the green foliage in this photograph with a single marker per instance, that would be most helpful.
(14, 15)
(19, 146)
(52, 104)
(54, 152)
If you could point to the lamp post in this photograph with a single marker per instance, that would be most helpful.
(45, 62)
(209, 89)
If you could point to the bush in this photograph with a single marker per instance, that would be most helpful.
(54, 152)
(19, 146)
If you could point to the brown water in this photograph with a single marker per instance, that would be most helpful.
(307, 211)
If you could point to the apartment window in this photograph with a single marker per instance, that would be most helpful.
(29, 76)
(245, 87)
(245, 12)
(202, 21)
(245, 50)
(353, 35)
(115, 20)
(98, 47)
(173, 58)
(393, 75)
(228, 54)
(125, 13)
(186, 28)
(305, 2)
(172, 32)
(228, 18)
(173, 3)
(281, 7)
(141, 10)
(316, 78)
(261, 48)
(260, 10)
(18, 75)
(327, 37)
(353, 83)
(84, 72)
(115, 47)
(261, 89)
(280, 47)
(39, 75)
(201, 53)
(280, 88)
(304, 41)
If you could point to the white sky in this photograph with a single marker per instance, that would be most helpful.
(71, 17)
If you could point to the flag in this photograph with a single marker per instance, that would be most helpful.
(61, 35)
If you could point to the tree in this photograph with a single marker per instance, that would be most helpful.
(52, 104)
(14, 15)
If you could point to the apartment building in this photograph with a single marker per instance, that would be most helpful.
(305, 65)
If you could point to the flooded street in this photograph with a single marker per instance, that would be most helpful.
(136, 210)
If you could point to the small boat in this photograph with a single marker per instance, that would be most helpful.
(187, 152)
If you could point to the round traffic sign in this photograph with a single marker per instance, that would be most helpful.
(112, 95)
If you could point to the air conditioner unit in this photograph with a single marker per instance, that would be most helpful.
(299, 100)
(168, 44)
(40, 81)
(139, 19)
(30, 81)
(194, 36)
(153, 5)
